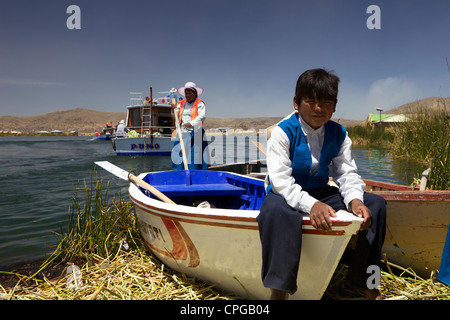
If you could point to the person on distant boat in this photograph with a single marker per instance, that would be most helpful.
(191, 113)
(121, 131)
(300, 151)
(110, 128)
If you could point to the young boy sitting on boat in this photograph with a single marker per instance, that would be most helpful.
(299, 153)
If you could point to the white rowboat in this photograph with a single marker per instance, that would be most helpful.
(221, 245)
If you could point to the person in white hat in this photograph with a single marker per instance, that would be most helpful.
(191, 113)
(121, 130)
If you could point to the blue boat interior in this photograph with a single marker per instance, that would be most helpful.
(221, 189)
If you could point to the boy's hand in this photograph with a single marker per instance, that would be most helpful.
(320, 216)
(360, 210)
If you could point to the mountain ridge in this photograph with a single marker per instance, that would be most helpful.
(90, 121)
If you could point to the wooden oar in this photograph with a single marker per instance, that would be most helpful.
(125, 175)
(183, 151)
(260, 146)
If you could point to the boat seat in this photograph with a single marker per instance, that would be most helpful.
(203, 189)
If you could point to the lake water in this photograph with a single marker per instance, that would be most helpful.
(39, 177)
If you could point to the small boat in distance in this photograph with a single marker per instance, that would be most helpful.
(150, 126)
(210, 232)
(103, 136)
(106, 133)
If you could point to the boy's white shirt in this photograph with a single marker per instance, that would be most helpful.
(345, 172)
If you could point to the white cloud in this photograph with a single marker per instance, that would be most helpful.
(356, 101)
(392, 92)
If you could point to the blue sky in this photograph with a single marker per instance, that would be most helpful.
(246, 54)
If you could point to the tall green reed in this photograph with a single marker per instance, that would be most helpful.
(98, 225)
(426, 138)
(370, 136)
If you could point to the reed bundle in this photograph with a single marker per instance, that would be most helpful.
(132, 275)
(409, 286)
(397, 283)
(137, 275)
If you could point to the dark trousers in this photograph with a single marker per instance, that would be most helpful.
(280, 228)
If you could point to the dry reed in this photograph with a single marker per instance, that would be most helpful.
(397, 283)
(137, 275)
(133, 275)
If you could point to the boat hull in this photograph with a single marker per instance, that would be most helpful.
(222, 246)
(153, 146)
(416, 226)
(104, 137)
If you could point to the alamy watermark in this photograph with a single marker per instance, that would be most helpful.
(374, 278)
(74, 20)
(374, 20)
(222, 149)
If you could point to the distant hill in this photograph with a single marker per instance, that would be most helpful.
(81, 120)
(432, 103)
(89, 121)
(259, 123)
(242, 123)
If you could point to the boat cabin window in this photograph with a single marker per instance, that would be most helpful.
(165, 121)
(134, 121)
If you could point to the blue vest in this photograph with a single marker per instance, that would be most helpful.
(300, 155)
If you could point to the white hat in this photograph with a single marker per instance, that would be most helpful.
(190, 85)
(122, 121)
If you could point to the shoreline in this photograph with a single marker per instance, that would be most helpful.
(92, 134)
(47, 134)
(12, 274)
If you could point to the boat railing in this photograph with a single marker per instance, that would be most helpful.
(136, 98)
(156, 130)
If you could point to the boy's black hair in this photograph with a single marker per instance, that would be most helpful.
(317, 83)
